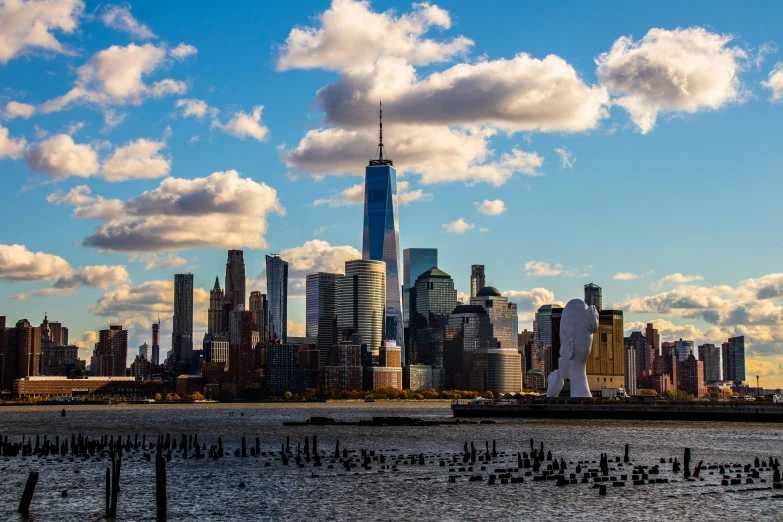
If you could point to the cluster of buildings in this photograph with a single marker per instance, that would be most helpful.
(365, 329)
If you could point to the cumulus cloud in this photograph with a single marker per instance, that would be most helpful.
(31, 25)
(17, 263)
(78, 195)
(529, 301)
(116, 76)
(567, 159)
(60, 157)
(11, 147)
(684, 70)
(139, 159)
(243, 125)
(316, 256)
(668, 331)
(196, 108)
(119, 18)
(438, 154)
(354, 195)
(460, 226)
(222, 210)
(182, 51)
(351, 34)
(158, 260)
(625, 276)
(15, 109)
(775, 82)
(679, 279)
(542, 269)
(493, 207)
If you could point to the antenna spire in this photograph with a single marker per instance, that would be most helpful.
(381, 160)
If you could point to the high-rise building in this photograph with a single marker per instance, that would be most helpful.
(53, 332)
(321, 311)
(361, 301)
(631, 365)
(155, 343)
(259, 306)
(415, 261)
(144, 351)
(215, 349)
(653, 340)
(514, 324)
(593, 296)
(477, 279)
(112, 351)
(468, 331)
(734, 359)
(433, 299)
(709, 354)
(182, 325)
(381, 234)
(277, 293)
(21, 352)
(683, 349)
(241, 346)
(235, 284)
(643, 356)
(343, 371)
(542, 339)
(691, 376)
(215, 325)
(501, 316)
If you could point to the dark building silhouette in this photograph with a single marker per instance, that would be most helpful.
(734, 359)
(112, 352)
(215, 324)
(477, 279)
(321, 311)
(277, 293)
(593, 296)
(182, 323)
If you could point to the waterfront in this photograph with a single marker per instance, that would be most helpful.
(208, 489)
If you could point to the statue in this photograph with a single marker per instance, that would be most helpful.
(577, 326)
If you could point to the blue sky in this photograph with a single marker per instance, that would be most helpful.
(664, 190)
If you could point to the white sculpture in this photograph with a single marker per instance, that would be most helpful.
(577, 326)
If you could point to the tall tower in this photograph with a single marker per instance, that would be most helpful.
(155, 359)
(593, 296)
(361, 297)
(182, 327)
(259, 306)
(112, 351)
(235, 281)
(477, 280)
(321, 311)
(277, 293)
(415, 261)
(381, 234)
(215, 324)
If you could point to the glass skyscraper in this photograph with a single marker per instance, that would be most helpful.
(321, 311)
(182, 328)
(361, 296)
(277, 294)
(415, 261)
(381, 235)
(593, 296)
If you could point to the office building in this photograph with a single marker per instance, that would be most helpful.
(343, 369)
(277, 294)
(321, 311)
(477, 279)
(279, 368)
(504, 370)
(215, 324)
(259, 307)
(733, 353)
(112, 352)
(240, 352)
(388, 373)
(415, 261)
(542, 339)
(593, 296)
(141, 368)
(235, 284)
(691, 376)
(21, 352)
(501, 316)
(643, 355)
(683, 349)
(381, 234)
(361, 301)
(215, 348)
(631, 365)
(144, 351)
(58, 359)
(155, 359)
(182, 324)
(653, 340)
(709, 354)
(468, 331)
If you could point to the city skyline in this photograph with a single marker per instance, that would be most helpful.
(74, 261)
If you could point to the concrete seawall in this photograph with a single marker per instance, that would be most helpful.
(582, 409)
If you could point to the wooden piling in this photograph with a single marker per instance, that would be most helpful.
(160, 489)
(27, 494)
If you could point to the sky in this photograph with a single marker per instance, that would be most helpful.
(632, 145)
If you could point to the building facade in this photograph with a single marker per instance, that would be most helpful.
(734, 359)
(415, 261)
(710, 355)
(112, 351)
(477, 279)
(277, 294)
(593, 296)
(259, 307)
(155, 358)
(215, 325)
(235, 284)
(361, 301)
(321, 311)
(182, 324)
(501, 316)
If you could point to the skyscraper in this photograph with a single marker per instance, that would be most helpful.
(182, 325)
(321, 312)
(500, 315)
(709, 354)
(653, 340)
(415, 261)
(361, 301)
(433, 298)
(477, 279)
(593, 296)
(240, 351)
(215, 324)
(277, 293)
(381, 234)
(683, 349)
(21, 352)
(542, 339)
(155, 359)
(112, 351)
(259, 306)
(144, 351)
(235, 283)
(468, 332)
(734, 359)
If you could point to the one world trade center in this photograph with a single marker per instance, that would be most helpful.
(381, 235)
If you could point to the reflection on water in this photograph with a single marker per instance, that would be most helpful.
(208, 489)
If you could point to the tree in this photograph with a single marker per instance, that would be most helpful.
(287, 396)
(197, 396)
(158, 397)
(488, 395)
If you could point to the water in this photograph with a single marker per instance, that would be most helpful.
(208, 489)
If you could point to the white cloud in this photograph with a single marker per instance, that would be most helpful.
(74, 127)
(528, 302)
(625, 276)
(10, 147)
(98, 276)
(351, 34)
(567, 159)
(491, 208)
(182, 51)
(222, 210)
(296, 328)
(684, 70)
(158, 260)
(112, 118)
(482, 230)
(439, 154)
(243, 125)
(17, 263)
(119, 18)
(542, 269)
(196, 108)
(679, 279)
(115, 76)
(139, 159)
(775, 82)
(60, 157)
(460, 226)
(316, 256)
(30, 25)
(78, 195)
(354, 195)
(406, 196)
(15, 109)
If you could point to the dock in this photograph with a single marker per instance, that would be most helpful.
(560, 408)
